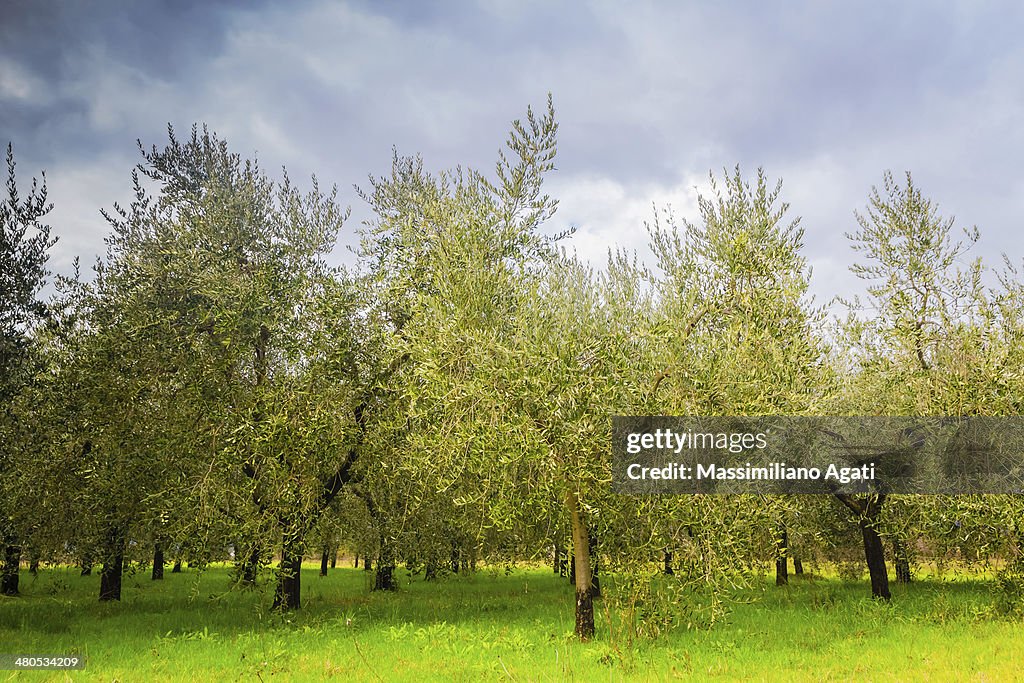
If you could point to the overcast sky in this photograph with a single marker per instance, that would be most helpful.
(649, 97)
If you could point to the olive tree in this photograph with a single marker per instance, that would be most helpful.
(739, 334)
(505, 398)
(926, 321)
(214, 295)
(25, 242)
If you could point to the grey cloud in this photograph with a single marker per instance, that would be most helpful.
(649, 96)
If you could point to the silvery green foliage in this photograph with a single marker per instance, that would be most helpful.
(25, 242)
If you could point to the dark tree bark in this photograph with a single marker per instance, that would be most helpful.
(901, 561)
(668, 570)
(875, 555)
(176, 569)
(455, 557)
(384, 580)
(113, 566)
(325, 560)
(867, 509)
(33, 562)
(367, 563)
(110, 579)
(430, 571)
(158, 562)
(334, 558)
(581, 555)
(11, 566)
(781, 556)
(798, 566)
(288, 595)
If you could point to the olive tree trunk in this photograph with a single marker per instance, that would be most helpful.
(158, 561)
(113, 566)
(581, 555)
(867, 509)
(901, 561)
(781, 556)
(11, 566)
(288, 595)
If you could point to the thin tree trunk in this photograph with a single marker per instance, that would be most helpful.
(668, 570)
(781, 556)
(901, 561)
(325, 560)
(11, 566)
(581, 554)
(798, 566)
(288, 595)
(334, 557)
(158, 562)
(113, 566)
(176, 569)
(384, 580)
(875, 556)
(867, 510)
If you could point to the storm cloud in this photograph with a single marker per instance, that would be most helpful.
(649, 97)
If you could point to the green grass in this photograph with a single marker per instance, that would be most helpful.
(489, 626)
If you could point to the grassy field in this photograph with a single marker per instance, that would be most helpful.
(489, 626)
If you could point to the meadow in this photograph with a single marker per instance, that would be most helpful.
(493, 625)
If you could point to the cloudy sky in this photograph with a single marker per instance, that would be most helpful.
(649, 96)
